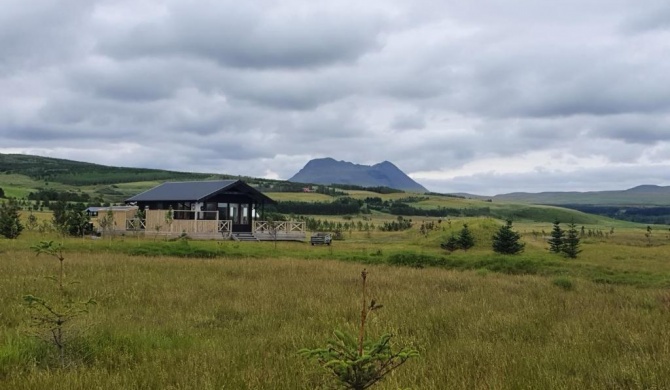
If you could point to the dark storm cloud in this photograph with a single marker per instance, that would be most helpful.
(635, 129)
(252, 34)
(462, 94)
(40, 33)
(655, 17)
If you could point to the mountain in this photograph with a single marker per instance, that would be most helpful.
(330, 171)
(640, 195)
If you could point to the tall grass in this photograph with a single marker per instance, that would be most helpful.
(166, 322)
(233, 315)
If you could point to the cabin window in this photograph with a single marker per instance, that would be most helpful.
(208, 211)
(245, 214)
(223, 211)
(234, 213)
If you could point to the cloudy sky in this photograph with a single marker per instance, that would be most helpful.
(484, 96)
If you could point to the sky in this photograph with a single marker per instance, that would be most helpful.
(484, 96)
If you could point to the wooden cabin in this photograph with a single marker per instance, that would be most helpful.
(208, 209)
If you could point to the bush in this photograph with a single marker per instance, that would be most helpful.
(564, 283)
(465, 238)
(176, 249)
(506, 240)
(10, 222)
(71, 219)
(451, 244)
(557, 237)
(571, 242)
(412, 259)
(358, 364)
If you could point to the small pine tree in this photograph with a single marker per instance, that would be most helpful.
(571, 242)
(10, 219)
(465, 238)
(451, 244)
(506, 240)
(557, 237)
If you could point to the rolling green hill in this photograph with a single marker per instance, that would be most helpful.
(22, 174)
(644, 195)
(76, 173)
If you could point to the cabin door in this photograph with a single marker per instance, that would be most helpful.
(239, 213)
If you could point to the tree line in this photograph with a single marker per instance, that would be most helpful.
(340, 206)
(54, 195)
(650, 214)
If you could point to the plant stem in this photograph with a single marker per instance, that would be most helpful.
(361, 333)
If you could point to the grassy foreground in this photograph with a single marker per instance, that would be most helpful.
(236, 323)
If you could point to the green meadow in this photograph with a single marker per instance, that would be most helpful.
(232, 315)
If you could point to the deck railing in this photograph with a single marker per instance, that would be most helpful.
(175, 222)
(225, 227)
(135, 224)
(279, 226)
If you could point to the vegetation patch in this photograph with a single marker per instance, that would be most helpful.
(174, 249)
(412, 259)
(563, 282)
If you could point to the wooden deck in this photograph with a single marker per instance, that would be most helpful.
(163, 223)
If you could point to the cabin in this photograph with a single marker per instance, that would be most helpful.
(223, 209)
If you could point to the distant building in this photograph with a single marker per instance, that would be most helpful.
(208, 209)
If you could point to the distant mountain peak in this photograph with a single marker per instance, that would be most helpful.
(385, 164)
(646, 188)
(329, 171)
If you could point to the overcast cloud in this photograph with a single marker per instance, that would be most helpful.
(482, 96)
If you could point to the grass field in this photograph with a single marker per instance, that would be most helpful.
(233, 315)
(18, 186)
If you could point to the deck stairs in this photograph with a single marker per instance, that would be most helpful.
(244, 237)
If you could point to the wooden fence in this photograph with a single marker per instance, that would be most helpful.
(158, 221)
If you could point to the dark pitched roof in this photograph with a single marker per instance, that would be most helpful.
(195, 191)
(94, 209)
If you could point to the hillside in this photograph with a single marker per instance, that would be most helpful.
(644, 195)
(329, 171)
(21, 174)
(78, 173)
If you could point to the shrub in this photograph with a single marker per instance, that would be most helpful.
(557, 237)
(10, 219)
(465, 238)
(358, 364)
(571, 242)
(412, 259)
(53, 320)
(451, 244)
(71, 219)
(506, 241)
(564, 283)
(176, 249)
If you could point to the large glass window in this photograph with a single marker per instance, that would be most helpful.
(223, 211)
(245, 214)
(234, 212)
